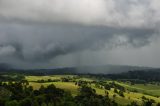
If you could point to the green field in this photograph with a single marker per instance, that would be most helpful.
(71, 87)
(53, 77)
(149, 90)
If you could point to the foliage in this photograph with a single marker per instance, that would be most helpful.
(23, 95)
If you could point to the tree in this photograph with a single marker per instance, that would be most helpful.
(148, 103)
(133, 104)
(25, 102)
(2, 102)
(87, 91)
(12, 103)
(40, 99)
(114, 96)
(158, 104)
(121, 93)
(115, 90)
(107, 87)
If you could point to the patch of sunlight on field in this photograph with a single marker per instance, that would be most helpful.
(147, 86)
(62, 76)
(142, 91)
(35, 85)
(52, 77)
(35, 78)
(142, 86)
(84, 79)
(139, 96)
(129, 96)
(154, 92)
(69, 86)
(99, 91)
(121, 100)
(148, 89)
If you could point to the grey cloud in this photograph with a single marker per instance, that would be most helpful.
(36, 31)
(6, 50)
(126, 13)
(43, 42)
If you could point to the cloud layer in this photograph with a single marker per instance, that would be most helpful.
(97, 12)
(40, 31)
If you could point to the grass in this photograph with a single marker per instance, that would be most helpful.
(148, 89)
(68, 86)
(53, 77)
(143, 90)
(35, 78)
(85, 79)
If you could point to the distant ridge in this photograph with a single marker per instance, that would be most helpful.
(109, 69)
(105, 69)
(4, 66)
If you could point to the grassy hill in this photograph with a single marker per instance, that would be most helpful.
(124, 88)
(132, 93)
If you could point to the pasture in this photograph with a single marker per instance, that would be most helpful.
(149, 90)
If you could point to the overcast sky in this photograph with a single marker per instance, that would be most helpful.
(48, 33)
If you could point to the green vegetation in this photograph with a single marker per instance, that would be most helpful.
(149, 89)
(68, 86)
(132, 93)
(21, 94)
(75, 89)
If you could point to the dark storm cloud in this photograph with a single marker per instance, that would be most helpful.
(44, 42)
(41, 30)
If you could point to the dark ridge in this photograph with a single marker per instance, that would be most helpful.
(40, 72)
(148, 75)
(4, 66)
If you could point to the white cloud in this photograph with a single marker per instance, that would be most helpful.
(126, 13)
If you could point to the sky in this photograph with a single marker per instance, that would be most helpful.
(60, 33)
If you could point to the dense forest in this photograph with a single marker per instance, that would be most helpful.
(145, 75)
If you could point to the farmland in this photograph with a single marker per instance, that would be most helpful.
(133, 93)
(79, 89)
